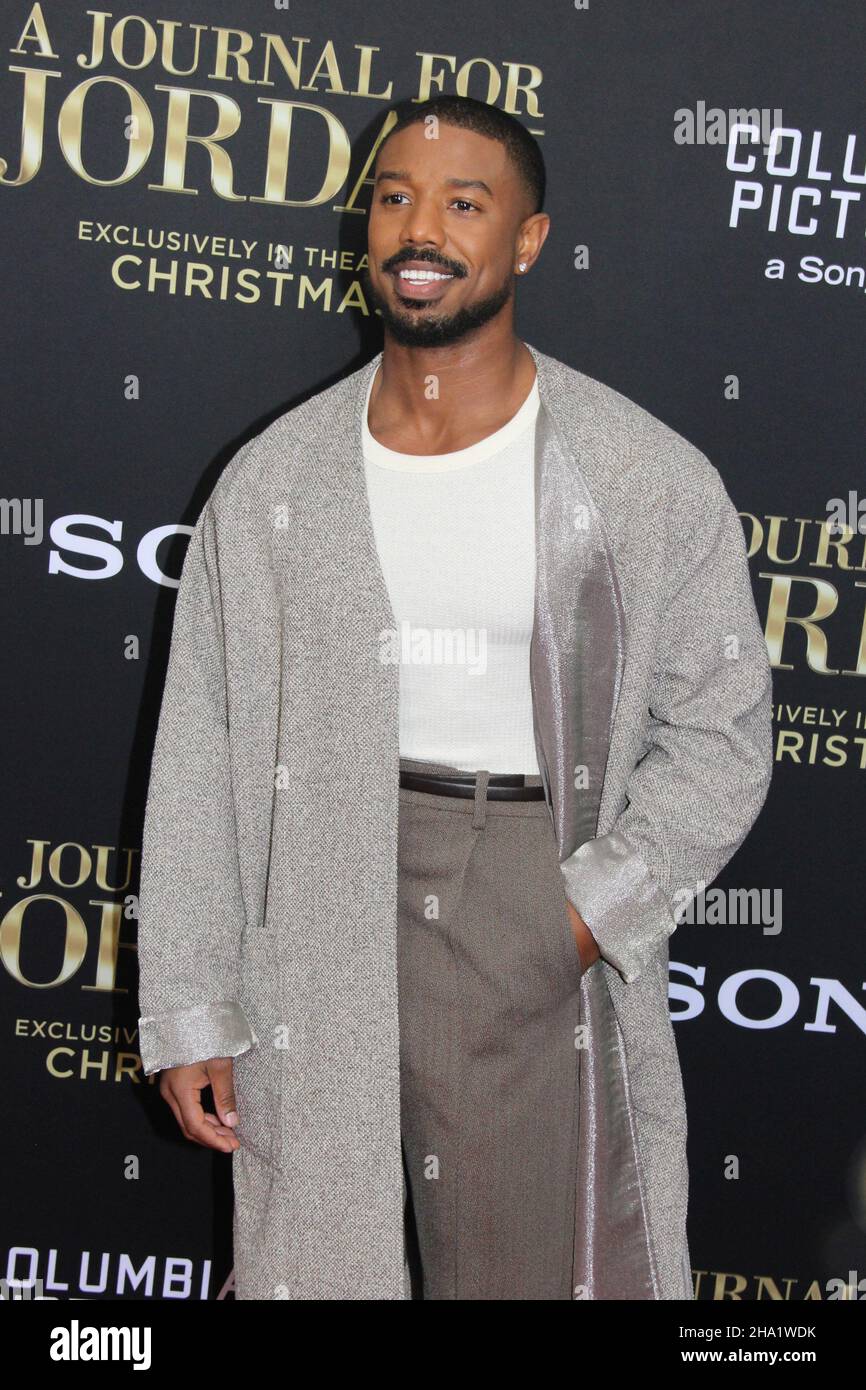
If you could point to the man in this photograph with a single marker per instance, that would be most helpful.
(467, 696)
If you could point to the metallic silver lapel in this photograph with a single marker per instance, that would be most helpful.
(577, 649)
(576, 670)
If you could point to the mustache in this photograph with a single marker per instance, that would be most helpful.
(430, 258)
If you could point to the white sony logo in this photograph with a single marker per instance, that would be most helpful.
(107, 551)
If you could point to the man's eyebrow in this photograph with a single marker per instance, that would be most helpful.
(402, 176)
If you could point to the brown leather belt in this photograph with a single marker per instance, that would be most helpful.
(500, 787)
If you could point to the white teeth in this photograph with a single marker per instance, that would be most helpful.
(421, 275)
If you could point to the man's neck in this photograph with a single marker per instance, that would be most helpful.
(438, 400)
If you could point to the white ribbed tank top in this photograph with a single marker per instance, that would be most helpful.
(456, 540)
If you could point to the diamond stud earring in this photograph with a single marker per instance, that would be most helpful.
(522, 267)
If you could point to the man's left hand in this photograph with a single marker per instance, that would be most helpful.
(586, 942)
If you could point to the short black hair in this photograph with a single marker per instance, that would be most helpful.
(523, 148)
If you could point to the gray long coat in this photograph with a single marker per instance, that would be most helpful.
(269, 872)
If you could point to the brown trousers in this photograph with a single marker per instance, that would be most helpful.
(489, 975)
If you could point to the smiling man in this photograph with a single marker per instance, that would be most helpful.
(422, 804)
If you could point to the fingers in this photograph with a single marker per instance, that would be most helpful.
(587, 946)
(220, 1072)
(181, 1088)
(195, 1122)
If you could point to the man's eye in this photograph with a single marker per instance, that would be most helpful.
(461, 203)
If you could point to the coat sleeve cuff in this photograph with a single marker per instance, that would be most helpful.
(620, 900)
(180, 1037)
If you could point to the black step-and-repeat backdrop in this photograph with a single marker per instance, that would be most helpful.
(707, 188)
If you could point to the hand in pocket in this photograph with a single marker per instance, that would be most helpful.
(586, 943)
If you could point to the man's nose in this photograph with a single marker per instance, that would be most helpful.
(422, 227)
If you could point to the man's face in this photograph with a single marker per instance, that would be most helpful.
(451, 206)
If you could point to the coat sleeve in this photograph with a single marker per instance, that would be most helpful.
(191, 913)
(697, 789)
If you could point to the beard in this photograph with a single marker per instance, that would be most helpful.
(414, 325)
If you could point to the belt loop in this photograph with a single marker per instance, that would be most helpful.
(479, 815)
